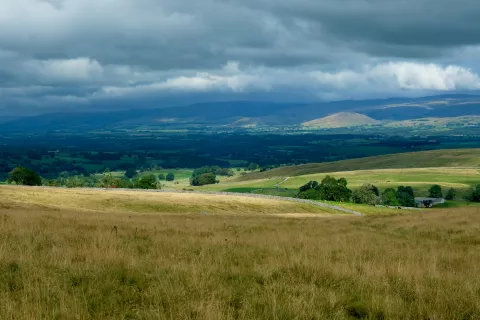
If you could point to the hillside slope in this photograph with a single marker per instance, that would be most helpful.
(140, 202)
(437, 122)
(341, 120)
(462, 158)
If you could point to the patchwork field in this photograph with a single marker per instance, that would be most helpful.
(89, 254)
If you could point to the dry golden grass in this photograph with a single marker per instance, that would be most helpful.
(61, 263)
(149, 202)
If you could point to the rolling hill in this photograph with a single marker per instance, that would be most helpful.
(459, 158)
(341, 120)
(437, 122)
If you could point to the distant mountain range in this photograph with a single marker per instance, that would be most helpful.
(254, 114)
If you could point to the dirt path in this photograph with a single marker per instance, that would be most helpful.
(280, 183)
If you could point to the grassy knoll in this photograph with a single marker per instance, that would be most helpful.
(59, 262)
(461, 158)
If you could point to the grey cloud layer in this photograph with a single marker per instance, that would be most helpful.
(71, 51)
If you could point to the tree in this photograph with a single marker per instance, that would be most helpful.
(406, 196)
(451, 194)
(389, 197)
(170, 176)
(24, 176)
(329, 189)
(161, 177)
(435, 191)
(146, 182)
(252, 166)
(365, 194)
(130, 173)
(474, 194)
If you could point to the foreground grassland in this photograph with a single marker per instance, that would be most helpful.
(106, 262)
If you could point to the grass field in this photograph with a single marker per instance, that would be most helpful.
(421, 179)
(70, 254)
(138, 202)
(458, 158)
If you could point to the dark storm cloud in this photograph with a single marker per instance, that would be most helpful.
(77, 51)
(436, 23)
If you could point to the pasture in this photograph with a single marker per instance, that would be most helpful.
(454, 158)
(421, 179)
(89, 254)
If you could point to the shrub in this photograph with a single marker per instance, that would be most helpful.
(170, 176)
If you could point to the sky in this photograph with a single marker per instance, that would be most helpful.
(63, 55)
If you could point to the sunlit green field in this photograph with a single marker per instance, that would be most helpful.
(421, 179)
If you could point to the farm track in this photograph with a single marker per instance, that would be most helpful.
(250, 195)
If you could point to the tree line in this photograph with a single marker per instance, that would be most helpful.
(331, 189)
(131, 180)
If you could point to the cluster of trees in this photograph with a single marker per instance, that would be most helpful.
(435, 191)
(208, 175)
(132, 173)
(329, 189)
(203, 176)
(336, 190)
